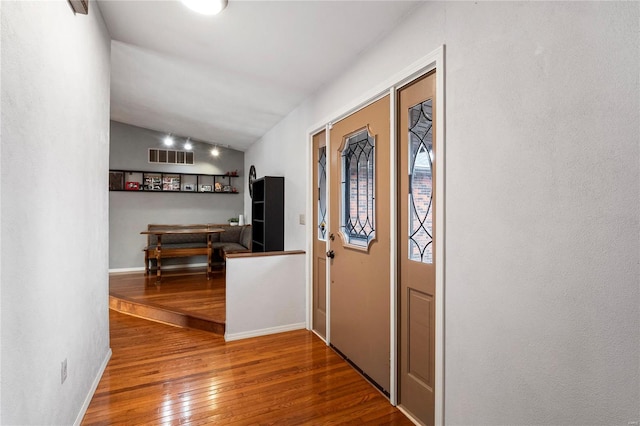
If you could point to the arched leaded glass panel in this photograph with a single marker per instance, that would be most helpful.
(358, 189)
(421, 183)
(322, 193)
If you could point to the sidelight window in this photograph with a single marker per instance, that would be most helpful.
(421, 183)
(322, 193)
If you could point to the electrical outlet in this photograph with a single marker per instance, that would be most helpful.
(63, 371)
(302, 221)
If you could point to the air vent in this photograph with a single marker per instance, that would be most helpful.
(80, 6)
(170, 156)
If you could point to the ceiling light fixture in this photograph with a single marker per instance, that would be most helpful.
(168, 141)
(206, 7)
(187, 145)
(215, 151)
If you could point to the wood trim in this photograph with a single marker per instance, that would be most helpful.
(164, 225)
(180, 252)
(190, 225)
(266, 253)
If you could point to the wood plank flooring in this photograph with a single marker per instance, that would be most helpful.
(184, 298)
(160, 374)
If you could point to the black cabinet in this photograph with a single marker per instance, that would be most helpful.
(267, 214)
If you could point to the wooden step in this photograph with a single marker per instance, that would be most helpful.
(165, 315)
(185, 298)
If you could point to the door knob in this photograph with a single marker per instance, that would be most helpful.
(331, 254)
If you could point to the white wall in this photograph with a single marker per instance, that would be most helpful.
(282, 153)
(131, 212)
(0, 220)
(54, 162)
(542, 270)
(265, 295)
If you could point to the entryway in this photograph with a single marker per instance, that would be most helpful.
(378, 259)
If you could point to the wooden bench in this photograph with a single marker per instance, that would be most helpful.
(211, 240)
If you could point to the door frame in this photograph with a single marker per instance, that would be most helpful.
(434, 60)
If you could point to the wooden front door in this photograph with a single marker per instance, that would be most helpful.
(320, 234)
(359, 240)
(417, 199)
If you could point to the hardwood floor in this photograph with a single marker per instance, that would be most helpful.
(185, 298)
(160, 374)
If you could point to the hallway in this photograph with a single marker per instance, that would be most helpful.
(159, 374)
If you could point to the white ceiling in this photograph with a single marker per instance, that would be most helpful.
(228, 79)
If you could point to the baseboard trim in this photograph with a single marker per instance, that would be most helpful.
(164, 268)
(409, 416)
(319, 336)
(228, 337)
(94, 386)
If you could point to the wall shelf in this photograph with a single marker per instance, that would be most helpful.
(166, 182)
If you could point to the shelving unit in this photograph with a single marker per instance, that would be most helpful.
(267, 214)
(139, 181)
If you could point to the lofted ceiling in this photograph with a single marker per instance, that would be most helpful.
(228, 79)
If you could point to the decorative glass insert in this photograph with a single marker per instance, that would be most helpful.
(358, 190)
(420, 183)
(322, 193)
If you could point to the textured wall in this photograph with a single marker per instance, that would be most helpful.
(55, 146)
(542, 243)
(129, 213)
(543, 209)
(264, 295)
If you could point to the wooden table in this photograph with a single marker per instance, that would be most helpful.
(181, 252)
